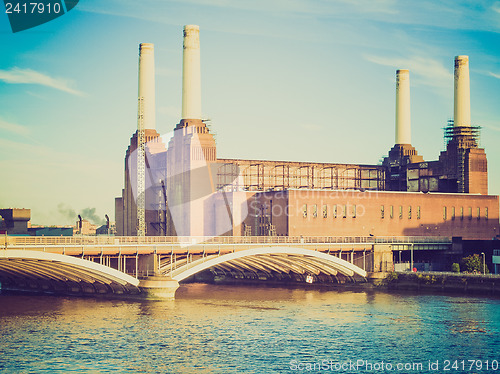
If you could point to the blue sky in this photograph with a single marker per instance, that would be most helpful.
(303, 80)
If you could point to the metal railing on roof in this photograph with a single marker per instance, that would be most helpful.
(155, 240)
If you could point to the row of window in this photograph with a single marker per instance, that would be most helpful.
(350, 210)
(461, 212)
(402, 212)
(445, 212)
(337, 211)
(346, 210)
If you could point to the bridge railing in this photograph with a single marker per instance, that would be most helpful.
(8, 241)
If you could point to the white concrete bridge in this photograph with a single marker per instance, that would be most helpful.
(154, 266)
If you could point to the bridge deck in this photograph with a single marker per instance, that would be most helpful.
(187, 241)
(249, 257)
(111, 245)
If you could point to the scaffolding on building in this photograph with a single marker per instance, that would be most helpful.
(459, 139)
(279, 175)
(141, 169)
(463, 136)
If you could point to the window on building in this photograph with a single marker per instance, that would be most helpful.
(354, 211)
(462, 212)
(486, 213)
(382, 211)
(391, 213)
(409, 212)
(418, 212)
(444, 213)
(344, 211)
(400, 212)
(452, 213)
(315, 211)
(335, 211)
(304, 211)
(325, 211)
(470, 212)
(478, 213)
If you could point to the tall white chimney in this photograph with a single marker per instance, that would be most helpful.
(403, 123)
(461, 114)
(191, 75)
(147, 84)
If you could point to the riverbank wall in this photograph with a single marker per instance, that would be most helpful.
(440, 282)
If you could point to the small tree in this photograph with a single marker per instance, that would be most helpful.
(474, 264)
(455, 268)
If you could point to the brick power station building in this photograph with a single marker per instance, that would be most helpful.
(188, 191)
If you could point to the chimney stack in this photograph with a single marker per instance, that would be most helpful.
(147, 84)
(191, 75)
(403, 123)
(461, 114)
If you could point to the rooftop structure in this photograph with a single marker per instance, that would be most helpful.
(14, 221)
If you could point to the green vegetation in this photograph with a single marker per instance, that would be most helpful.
(427, 279)
(474, 264)
(455, 268)
(392, 277)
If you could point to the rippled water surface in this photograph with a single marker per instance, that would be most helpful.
(240, 329)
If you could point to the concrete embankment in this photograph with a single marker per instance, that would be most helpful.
(440, 282)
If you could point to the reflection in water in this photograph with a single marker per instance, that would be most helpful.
(218, 329)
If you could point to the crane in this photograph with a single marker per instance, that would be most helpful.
(141, 170)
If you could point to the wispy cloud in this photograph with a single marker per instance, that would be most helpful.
(496, 7)
(311, 126)
(369, 6)
(37, 95)
(45, 157)
(124, 8)
(302, 6)
(25, 149)
(28, 76)
(133, 9)
(431, 71)
(14, 128)
(445, 14)
(491, 127)
(495, 75)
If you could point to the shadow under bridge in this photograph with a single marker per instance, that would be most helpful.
(273, 263)
(37, 271)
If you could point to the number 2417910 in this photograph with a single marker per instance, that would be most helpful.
(32, 8)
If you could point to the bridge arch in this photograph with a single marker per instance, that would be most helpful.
(51, 272)
(271, 259)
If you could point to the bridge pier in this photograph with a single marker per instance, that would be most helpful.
(382, 258)
(158, 287)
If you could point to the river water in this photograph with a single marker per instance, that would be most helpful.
(244, 329)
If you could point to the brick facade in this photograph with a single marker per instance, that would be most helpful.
(377, 213)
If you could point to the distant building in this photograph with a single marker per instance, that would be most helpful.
(84, 227)
(51, 230)
(15, 221)
(106, 229)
